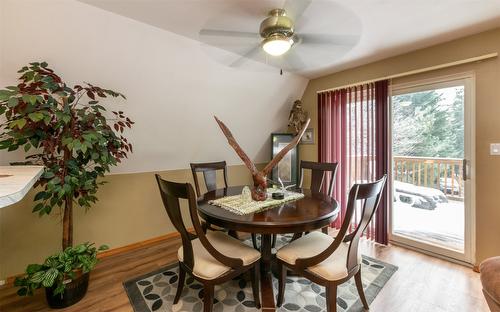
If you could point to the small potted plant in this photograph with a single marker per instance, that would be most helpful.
(77, 141)
(65, 275)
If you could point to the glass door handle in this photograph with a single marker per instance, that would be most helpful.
(464, 169)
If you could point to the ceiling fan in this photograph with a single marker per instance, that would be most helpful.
(279, 38)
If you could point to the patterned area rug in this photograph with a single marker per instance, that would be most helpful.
(155, 291)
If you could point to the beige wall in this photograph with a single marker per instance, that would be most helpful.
(129, 210)
(487, 115)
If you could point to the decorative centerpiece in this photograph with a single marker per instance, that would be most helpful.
(282, 189)
(246, 195)
(259, 190)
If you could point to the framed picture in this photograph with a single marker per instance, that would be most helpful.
(308, 137)
(288, 168)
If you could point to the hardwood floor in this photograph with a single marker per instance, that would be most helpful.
(422, 283)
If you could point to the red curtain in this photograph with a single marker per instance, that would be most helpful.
(353, 126)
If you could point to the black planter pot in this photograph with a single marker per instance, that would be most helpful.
(74, 292)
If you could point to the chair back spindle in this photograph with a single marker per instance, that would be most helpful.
(209, 171)
(318, 175)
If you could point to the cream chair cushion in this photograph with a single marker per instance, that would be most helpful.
(332, 269)
(206, 266)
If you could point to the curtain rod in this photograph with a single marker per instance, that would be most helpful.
(417, 71)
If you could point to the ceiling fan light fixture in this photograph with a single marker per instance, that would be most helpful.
(277, 44)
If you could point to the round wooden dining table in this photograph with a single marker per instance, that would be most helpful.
(313, 211)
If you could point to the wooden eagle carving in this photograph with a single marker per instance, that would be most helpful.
(260, 177)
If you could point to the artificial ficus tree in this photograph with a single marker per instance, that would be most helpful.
(70, 133)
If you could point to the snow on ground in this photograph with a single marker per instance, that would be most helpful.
(443, 226)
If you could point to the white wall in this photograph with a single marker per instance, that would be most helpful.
(173, 87)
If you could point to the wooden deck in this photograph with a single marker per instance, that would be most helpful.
(445, 174)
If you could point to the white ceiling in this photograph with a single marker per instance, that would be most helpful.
(385, 27)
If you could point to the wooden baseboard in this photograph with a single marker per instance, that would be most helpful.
(119, 250)
(134, 246)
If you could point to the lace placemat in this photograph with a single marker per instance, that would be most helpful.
(237, 205)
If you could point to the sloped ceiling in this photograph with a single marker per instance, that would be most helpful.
(385, 27)
(173, 88)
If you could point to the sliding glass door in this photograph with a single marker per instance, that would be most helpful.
(432, 166)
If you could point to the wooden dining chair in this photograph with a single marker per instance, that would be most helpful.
(205, 255)
(209, 171)
(318, 177)
(329, 261)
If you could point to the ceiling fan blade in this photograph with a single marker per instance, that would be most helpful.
(295, 8)
(293, 60)
(248, 55)
(345, 40)
(228, 33)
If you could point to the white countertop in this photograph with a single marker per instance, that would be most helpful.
(16, 181)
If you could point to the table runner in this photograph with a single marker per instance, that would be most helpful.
(237, 205)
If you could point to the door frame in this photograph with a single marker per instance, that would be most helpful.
(469, 81)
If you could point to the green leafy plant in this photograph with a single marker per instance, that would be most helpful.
(58, 268)
(71, 134)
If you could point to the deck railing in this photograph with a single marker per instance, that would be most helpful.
(444, 174)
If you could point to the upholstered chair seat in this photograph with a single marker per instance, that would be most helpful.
(332, 269)
(206, 266)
